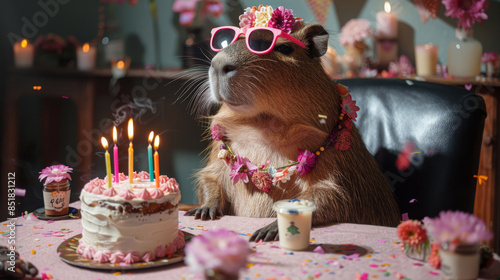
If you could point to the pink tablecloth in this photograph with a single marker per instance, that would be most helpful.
(379, 254)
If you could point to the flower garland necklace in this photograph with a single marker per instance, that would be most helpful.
(266, 175)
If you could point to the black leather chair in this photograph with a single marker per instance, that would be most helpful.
(444, 122)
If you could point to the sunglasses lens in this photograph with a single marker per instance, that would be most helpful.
(222, 38)
(260, 40)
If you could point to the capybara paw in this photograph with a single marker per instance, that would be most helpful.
(205, 213)
(267, 233)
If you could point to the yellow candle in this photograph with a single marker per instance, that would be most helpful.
(130, 152)
(108, 161)
(157, 162)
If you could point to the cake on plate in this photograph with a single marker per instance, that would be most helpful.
(130, 222)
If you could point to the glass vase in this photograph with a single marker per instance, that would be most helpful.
(418, 252)
(464, 55)
(461, 262)
(56, 197)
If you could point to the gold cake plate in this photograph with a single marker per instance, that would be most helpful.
(67, 253)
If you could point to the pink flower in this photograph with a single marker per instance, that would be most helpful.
(306, 160)
(55, 173)
(217, 132)
(355, 30)
(402, 67)
(348, 124)
(466, 11)
(217, 250)
(412, 232)
(434, 260)
(262, 181)
(349, 107)
(240, 169)
(343, 140)
(282, 19)
(247, 19)
(490, 57)
(456, 227)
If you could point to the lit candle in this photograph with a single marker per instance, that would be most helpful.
(85, 57)
(387, 23)
(130, 152)
(108, 161)
(387, 32)
(119, 67)
(115, 155)
(426, 59)
(23, 54)
(157, 161)
(150, 156)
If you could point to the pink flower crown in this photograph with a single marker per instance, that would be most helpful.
(266, 16)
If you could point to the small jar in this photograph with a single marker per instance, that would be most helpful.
(56, 198)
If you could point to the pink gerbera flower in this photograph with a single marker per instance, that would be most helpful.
(349, 107)
(306, 160)
(240, 170)
(247, 19)
(282, 19)
(412, 232)
(55, 173)
(466, 11)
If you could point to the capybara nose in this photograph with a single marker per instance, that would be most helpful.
(222, 65)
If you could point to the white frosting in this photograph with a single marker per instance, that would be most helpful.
(114, 230)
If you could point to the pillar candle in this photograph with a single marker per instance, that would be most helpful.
(426, 59)
(23, 54)
(157, 162)
(387, 23)
(85, 57)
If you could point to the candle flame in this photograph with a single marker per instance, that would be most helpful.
(387, 7)
(151, 135)
(120, 64)
(115, 134)
(24, 43)
(86, 47)
(157, 142)
(104, 143)
(130, 129)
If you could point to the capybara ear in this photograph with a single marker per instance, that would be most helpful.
(316, 39)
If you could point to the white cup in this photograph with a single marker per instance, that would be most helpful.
(294, 223)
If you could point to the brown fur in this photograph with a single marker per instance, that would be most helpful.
(281, 97)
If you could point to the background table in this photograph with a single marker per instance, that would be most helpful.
(378, 249)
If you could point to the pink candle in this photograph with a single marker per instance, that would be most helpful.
(115, 155)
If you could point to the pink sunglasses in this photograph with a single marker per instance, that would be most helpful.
(260, 40)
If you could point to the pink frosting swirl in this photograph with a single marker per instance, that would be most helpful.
(102, 256)
(160, 251)
(169, 185)
(148, 256)
(131, 257)
(95, 183)
(116, 257)
(127, 194)
(144, 194)
(143, 175)
(163, 179)
(156, 193)
(179, 241)
(98, 190)
(171, 248)
(110, 192)
(89, 253)
(81, 249)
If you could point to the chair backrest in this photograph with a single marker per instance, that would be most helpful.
(444, 122)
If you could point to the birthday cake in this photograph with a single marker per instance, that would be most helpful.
(130, 222)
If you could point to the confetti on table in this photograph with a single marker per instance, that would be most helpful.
(392, 256)
(373, 265)
(33, 252)
(434, 272)
(257, 243)
(417, 264)
(319, 250)
(117, 273)
(363, 276)
(317, 274)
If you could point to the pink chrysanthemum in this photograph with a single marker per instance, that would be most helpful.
(247, 19)
(434, 260)
(282, 19)
(240, 170)
(217, 132)
(55, 173)
(349, 107)
(466, 11)
(217, 250)
(402, 67)
(412, 232)
(456, 227)
(262, 181)
(306, 160)
(355, 30)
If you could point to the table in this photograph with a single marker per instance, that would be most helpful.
(379, 253)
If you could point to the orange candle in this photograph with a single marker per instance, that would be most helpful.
(130, 152)
(157, 162)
